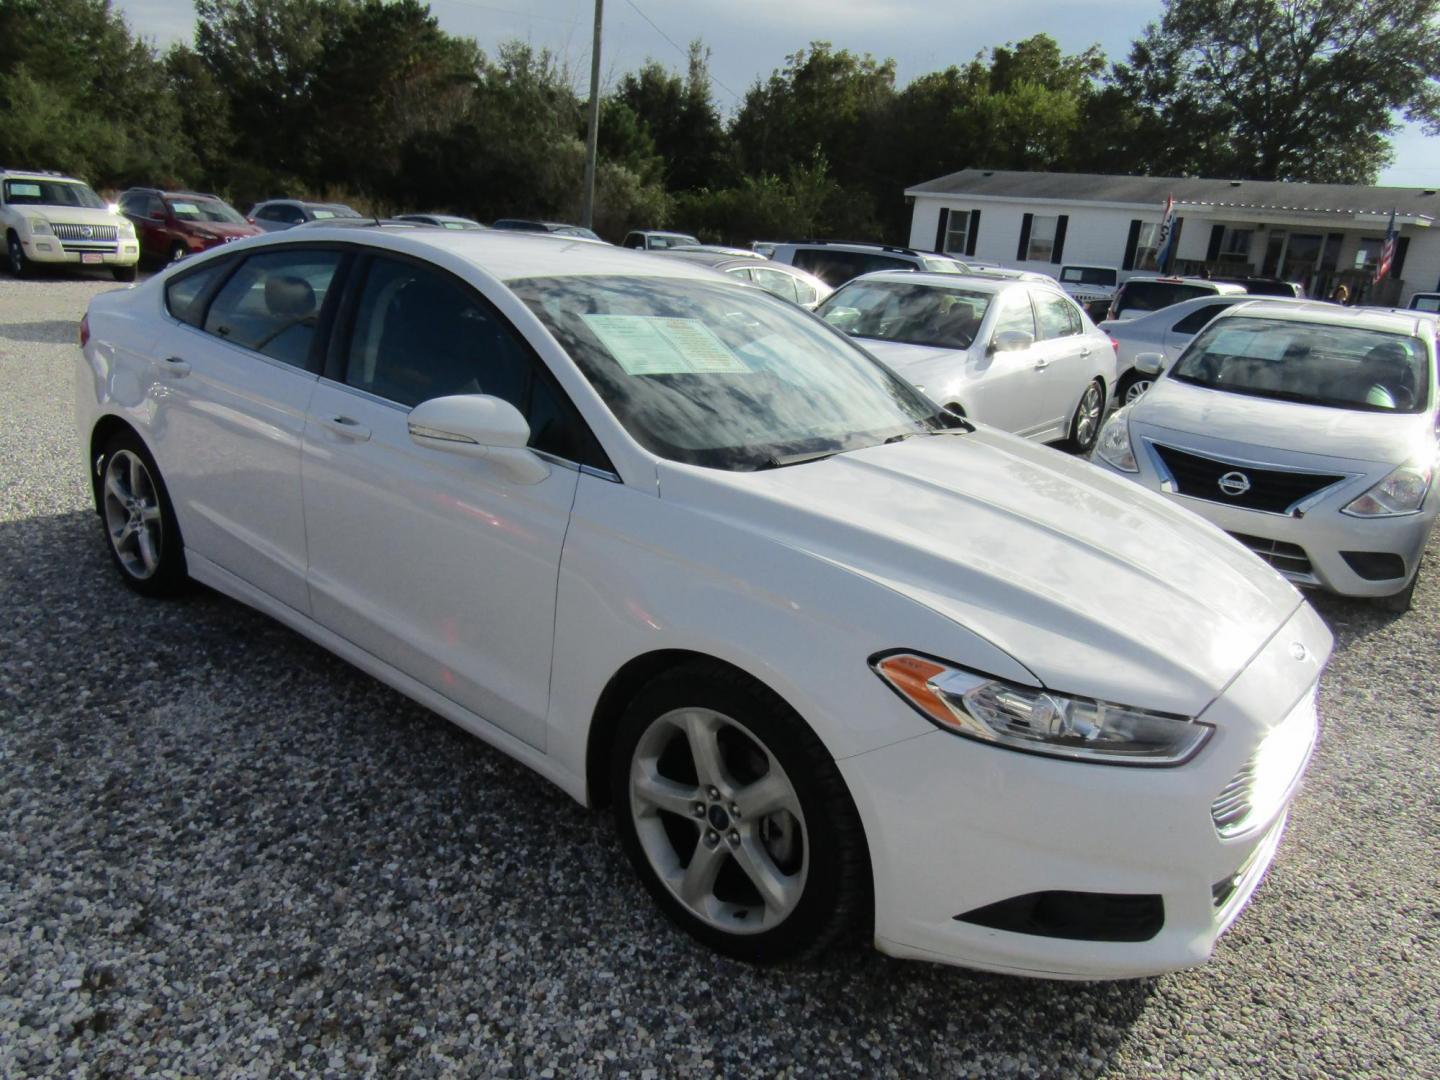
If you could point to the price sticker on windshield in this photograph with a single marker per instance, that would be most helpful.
(650, 345)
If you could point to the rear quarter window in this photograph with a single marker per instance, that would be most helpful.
(185, 295)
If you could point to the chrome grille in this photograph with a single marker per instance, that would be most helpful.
(1275, 491)
(1260, 787)
(85, 232)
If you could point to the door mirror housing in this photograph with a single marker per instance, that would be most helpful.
(1011, 341)
(479, 426)
(1150, 363)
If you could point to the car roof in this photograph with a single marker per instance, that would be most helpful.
(1219, 286)
(1393, 320)
(38, 174)
(508, 256)
(969, 281)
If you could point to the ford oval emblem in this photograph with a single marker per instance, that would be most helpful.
(1298, 651)
(1234, 483)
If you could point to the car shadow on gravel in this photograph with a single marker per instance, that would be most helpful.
(55, 332)
(222, 846)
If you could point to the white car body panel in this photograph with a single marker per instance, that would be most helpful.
(977, 547)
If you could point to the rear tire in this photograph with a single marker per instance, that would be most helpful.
(18, 261)
(141, 532)
(1085, 424)
(736, 818)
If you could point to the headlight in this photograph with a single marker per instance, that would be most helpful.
(38, 226)
(127, 228)
(1039, 721)
(1114, 442)
(1401, 492)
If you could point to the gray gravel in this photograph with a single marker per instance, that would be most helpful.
(224, 852)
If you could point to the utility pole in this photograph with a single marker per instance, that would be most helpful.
(587, 209)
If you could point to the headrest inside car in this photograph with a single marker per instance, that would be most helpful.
(290, 296)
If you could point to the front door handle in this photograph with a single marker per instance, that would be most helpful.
(175, 368)
(1041, 364)
(347, 428)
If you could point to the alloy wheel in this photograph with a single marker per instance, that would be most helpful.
(719, 820)
(1087, 416)
(17, 258)
(1136, 388)
(132, 515)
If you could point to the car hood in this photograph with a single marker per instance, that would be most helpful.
(1283, 425)
(1096, 585)
(72, 215)
(906, 358)
(222, 228)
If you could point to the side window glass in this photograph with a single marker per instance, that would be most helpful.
(1197, 319)
(182, 294)
(1056, 317)
(742, 273)
(775, 283)
(292, 214)
(420, 334)
(268, 213)
(804, 291)
(154, 207)
(272, 304)
(1014, 314)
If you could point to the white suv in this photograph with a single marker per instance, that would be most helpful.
(51, 218)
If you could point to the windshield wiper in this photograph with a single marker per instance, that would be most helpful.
(779, 461)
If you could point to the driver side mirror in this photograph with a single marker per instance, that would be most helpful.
(479, 426)
(1150, 363)
(1011, 341)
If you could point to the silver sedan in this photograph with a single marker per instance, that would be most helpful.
(1307, 432)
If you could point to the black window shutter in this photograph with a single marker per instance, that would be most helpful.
(1059, 251)
(1024, 248)
(1401, 247)
(942, 229)
(1131, 242)
(974, 232)
(1217, 237)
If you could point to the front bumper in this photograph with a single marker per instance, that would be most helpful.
(1309, 548)
(49, 249)
(956, 826)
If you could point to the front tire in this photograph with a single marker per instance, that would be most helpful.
(736, 818)
(19, 262)
(178, 251)
(1400, 602)
(1085, 424)
(141, 532)
(1133, 385)
(124, 273)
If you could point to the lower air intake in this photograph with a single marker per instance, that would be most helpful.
(1075, 916)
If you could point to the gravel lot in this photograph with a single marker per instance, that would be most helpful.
(224, 852)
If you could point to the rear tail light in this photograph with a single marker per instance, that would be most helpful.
(84, 331)
(1114, 344)
(251, 220)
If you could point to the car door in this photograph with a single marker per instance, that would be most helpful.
(1004, 385)
(154, 237)
(1069, 351)
(239, 360)
(440, 565)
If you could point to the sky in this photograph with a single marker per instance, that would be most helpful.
(751, 38)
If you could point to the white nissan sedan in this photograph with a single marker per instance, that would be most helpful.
(838, 660)
(1007, 349)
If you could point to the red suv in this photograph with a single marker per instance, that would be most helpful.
(173, 224)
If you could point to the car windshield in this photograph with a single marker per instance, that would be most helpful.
(336, 210)
(943, 316)
(192, 208)
(708, 374)
(1343, 367)
(660, 241)
(1087, 275)
(51, 193)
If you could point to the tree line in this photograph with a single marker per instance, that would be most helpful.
(370, 101)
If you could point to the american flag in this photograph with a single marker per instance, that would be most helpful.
(1387, 250)
(1165, 239)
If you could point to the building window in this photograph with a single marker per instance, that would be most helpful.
(957, 233)
(1041, 247)
(1237, 242)
(1367, 255)
(1147, 245)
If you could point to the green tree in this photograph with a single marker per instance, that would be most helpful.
(1281, 89)
(681, 118)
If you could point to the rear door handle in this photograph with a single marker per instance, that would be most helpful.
(347, 428)
(174, 367)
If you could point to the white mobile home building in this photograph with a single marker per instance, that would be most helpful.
(1319, 235)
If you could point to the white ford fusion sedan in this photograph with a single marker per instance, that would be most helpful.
(1306, 430)
(838, 661)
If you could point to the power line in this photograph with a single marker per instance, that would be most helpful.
(682, 51)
